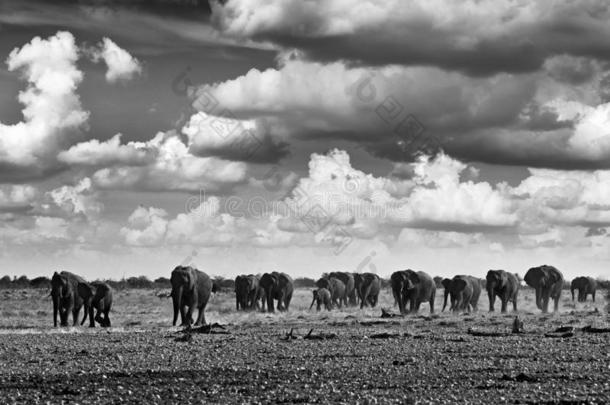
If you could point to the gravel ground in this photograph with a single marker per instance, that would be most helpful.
(355, 357)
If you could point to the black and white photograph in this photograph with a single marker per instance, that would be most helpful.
(304, 201)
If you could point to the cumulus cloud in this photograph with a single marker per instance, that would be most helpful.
(173, 168)
(16, 198)
(52, 110)
(147, 227)
(121, 65)
(234, 139)
(108, 153)
(479, 38)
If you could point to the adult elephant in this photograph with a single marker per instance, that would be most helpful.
(277, 286)
(337, 289)
(350, 285)
(585, 286)
(368, 289)
(321, 296)
(97, 297)
(464, 292)
(66, 299)
(191, 290)
(247, 291)
(413, 287)
(548, 282)
(504, 285)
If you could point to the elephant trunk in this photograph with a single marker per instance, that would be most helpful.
(491, 297)
(55, 308)
(269, 296)
(177, 300)
(364, 295)
(398, 295)
(445, 300)
(312, 302)
(572, 291)
(539, 298)
(86, 311)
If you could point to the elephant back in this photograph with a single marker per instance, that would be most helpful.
(346, 278)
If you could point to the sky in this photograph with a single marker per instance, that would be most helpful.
(242, 136)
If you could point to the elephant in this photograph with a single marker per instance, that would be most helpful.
(247, 291)
(548, 282)
(277, 286)
(368, 288)
(336, 287)
(505, 286)
(465, 292)
(66, 299)
(413, 287)
(350, 286)
(191, 290)
(321, 296)
(585, 286)
(97, 296)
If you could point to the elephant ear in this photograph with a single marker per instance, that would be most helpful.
(446, 283)
(85, 290)
(413, 277)
(553, 274)
(503, 278)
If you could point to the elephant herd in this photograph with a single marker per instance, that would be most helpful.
(191, 290)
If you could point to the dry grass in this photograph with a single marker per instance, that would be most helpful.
(142, 309)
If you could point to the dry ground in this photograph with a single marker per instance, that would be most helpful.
(364, 358)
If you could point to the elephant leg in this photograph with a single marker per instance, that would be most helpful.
(593, 296)
(504, 300)
(201, 317)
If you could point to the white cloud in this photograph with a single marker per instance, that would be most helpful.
(121, 65)
(173, 168)
(52, 111)
(16, 197)
(108, 153)
(147, 227)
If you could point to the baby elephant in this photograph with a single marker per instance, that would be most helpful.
(97, 296)
(321, 296)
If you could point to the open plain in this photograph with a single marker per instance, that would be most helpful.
(343, 356)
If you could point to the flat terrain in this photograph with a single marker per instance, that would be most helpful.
(354, 357)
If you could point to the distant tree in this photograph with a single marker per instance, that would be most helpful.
(139, 282)
(304, 282)
(40, 282)
(5, 282)
(21, 282)
(162, 282)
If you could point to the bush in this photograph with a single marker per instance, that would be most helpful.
(41, 282)
(304, 282)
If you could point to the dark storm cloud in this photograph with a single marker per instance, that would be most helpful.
(481, 39)
(522, 148)
(258, 150)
